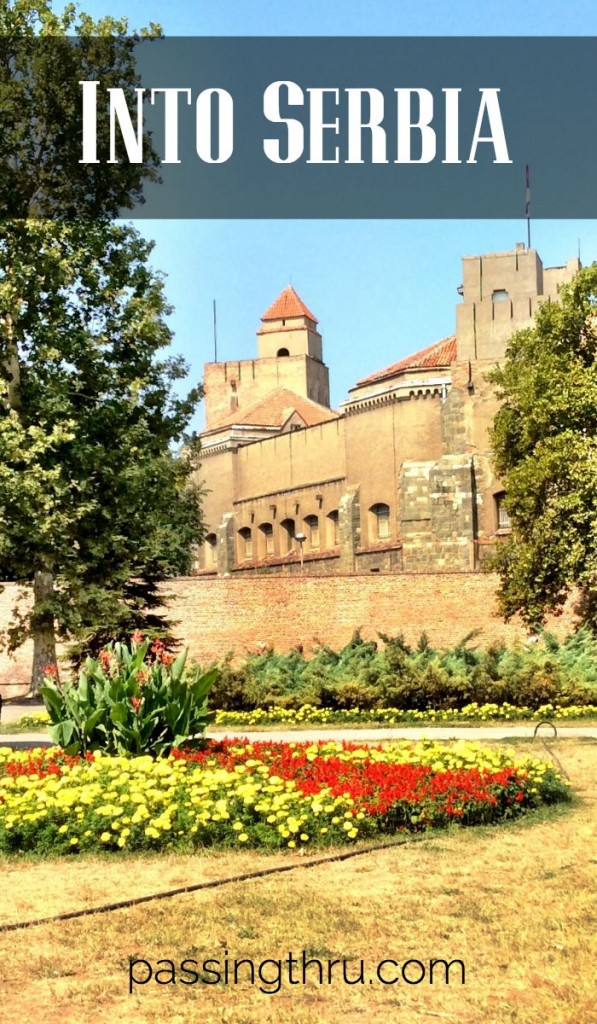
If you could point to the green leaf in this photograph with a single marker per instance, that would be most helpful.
(52, 699)
(119, 712)
(83, 688)
(62, 733)
(93, 720)
(178, 666)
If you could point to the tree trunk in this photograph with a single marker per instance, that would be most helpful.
(42, 631)
(42, 620)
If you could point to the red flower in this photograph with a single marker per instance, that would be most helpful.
(136, 703)
(137, 637)
(51, 671)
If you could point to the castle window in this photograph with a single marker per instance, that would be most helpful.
(287, 528)
(381, 521)
(312, 531)
(246, 542)
(503, 519)
(499, 295)
(282, 352)
(267, 539)
(333, 529)
(211, 549)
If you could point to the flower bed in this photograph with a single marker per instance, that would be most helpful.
(270, 795)
(394, 716)
(311, 715)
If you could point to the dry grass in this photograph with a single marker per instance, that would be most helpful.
(513, 903)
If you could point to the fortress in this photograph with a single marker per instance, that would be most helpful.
(394, 492)
(400, 479)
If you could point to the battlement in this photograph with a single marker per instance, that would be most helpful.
(501, 293)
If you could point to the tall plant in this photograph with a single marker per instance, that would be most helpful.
(134, 699)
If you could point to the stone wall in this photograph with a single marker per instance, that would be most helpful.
(213, 615)
(437, 512)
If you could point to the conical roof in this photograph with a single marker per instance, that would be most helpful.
(288, 305)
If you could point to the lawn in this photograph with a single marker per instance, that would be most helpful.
(512, 902)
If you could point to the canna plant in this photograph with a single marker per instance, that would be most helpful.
(128, 702)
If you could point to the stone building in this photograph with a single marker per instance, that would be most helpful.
(400, 479)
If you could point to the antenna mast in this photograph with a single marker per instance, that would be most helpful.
(528, 204)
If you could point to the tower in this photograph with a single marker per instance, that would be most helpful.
(289, 329)
(501, 293)
(289, 356)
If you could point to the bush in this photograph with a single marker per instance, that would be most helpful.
(228, 692)
(132, 699)
(369, 676)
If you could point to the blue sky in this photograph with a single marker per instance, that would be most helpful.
(379, 289)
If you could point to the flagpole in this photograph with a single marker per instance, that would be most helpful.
(528, 204)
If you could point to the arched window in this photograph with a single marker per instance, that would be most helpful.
(211, 549)
(333, 533)
(380, 515)
(282, 352)
(267, 539)
(312, 531)
(246, 544)
(502, 517)
(287, 530)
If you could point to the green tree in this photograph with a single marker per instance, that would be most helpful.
(95, 508)
(43, 57)
(545, 444)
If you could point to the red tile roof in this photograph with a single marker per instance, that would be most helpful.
(288, 304)
(440, 354)
(276, 408)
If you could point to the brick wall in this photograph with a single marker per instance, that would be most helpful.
(214, 616)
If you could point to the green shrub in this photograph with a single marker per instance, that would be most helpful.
(228, 692)
(126, 701)
(363, 674)
(355, 695)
